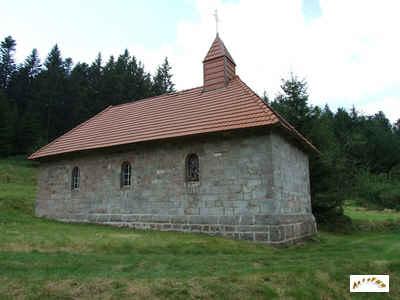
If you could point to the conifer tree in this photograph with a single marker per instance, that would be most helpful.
(7, 64)
(79, 94)
(397, 127)
(7, 125)
(293, 102)
(23, 88)
(53, 94)
(95, 101)
(32, 64)
(162, 81)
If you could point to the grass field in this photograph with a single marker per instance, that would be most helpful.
(362, 214)
(41, 259)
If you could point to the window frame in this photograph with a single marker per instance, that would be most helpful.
(189, 176)
(126, 174)
(75, 178)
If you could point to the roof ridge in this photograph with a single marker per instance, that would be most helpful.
(69, 132)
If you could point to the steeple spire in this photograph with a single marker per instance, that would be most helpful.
(218, 66)
(216, 21)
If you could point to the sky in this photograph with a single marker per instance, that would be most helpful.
(347, 50)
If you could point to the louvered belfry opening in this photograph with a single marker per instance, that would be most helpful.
(218, 66)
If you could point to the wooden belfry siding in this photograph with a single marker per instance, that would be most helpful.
(218, 66)
(230, 69)
(214, 74)
(218, 72)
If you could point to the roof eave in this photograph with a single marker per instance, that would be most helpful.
(286, 125)
(219, 56)
(38, 157)
(34, 155)
(307, 145)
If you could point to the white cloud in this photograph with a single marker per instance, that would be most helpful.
(348, 55)
(391, 105)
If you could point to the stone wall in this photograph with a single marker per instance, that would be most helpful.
(291, 188)
(252, 186)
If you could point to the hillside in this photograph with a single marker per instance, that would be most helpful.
(42, 259)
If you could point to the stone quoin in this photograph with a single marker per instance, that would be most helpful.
(214, 159)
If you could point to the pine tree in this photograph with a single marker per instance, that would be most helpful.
(22, 88)
(382, 149)
(125, 80)
(95, 81)
(265, 97)
(7, 64)
(32, 64)
(318, 125)
(43, 102)
(80, 96)
(397, 127)
(292, 103)
(29, 129)
(53, 85)
(162, 81)
(328, 188)
(7, 125)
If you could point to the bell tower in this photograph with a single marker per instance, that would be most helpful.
(218, 66)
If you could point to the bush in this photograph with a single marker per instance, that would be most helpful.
(377, 191)
(337, 222)
(328, 212)
(377, 226)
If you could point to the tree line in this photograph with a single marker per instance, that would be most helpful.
(40, 101)
(360, 154)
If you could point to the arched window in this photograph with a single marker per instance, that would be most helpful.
(75, 178)
(192, 168)
(126, 172)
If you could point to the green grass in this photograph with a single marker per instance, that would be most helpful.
(42, 259)
(363, 214)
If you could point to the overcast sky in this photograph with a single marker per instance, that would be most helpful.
(348, 51)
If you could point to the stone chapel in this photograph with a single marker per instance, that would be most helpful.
(214, 159)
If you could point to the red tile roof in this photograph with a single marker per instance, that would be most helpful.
(178, 114)
(218, 49)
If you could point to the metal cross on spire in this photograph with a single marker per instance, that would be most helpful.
(215, 14)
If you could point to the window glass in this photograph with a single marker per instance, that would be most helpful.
(75, 178)
(126, 171)
(192, 167)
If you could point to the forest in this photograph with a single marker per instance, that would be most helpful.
(359, 156)
(40, 101)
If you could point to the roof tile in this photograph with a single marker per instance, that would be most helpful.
(188, 112)
(218, 49)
